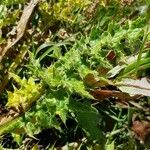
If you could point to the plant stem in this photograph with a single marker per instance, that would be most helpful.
(141, 50)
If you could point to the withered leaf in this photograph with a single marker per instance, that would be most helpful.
(141, 129)
(95, 81)
(102, 71)
(20, 29)
(135, 87)
(103, 94)
(111, 56)
(115, 71)
(7, 117)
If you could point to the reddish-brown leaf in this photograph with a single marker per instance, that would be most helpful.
(103, 94)
(111, 56)
(141, 129)
(93, 81)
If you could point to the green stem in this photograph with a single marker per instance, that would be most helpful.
(131, 68)
(141, 50)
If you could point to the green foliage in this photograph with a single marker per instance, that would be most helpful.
(88, 118)
(63, 10)
(11, 2)
(23, 96)
(60, 73)
(44, 115)
(7, 17)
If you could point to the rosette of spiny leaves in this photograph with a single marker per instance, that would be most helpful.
(43, 115)
(66, 77)
(24, 96)
(51, 110)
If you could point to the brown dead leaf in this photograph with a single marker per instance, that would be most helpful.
(141, 129)
(95, 81)
(135, 87)
(91, 80)
(91, 10)
(111, 56)
(103, 94)
(8, 116)
(126, 2)
(20, 29)
(102, 71)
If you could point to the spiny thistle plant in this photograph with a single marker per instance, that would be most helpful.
(81, 75)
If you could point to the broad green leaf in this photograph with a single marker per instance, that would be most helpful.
(89, 119)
